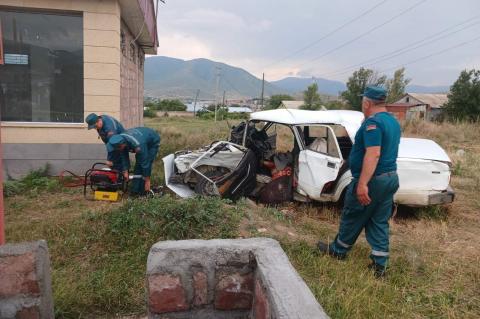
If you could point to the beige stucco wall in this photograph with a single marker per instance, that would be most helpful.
(101, 36)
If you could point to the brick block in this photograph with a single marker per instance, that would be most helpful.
(261, 307)
(25, 283)
(200, 288)
(17, 275)
(166, 293)
(234, 291)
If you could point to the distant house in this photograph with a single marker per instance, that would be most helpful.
(239, 109)
(418, 106)
(61, 61)
(291, 104)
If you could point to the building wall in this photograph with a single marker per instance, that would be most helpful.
(418, 112)
(411, 100)
(131, 74)
(399, 111)
(102, 59)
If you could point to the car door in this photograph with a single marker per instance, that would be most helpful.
(319, 161)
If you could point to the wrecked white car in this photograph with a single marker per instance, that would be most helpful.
(311, 166)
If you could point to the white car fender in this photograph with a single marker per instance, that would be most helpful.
(342, 184)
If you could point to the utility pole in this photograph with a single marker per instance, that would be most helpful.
(218, 69)
(223, 102)
(263, 88)
(195, 103)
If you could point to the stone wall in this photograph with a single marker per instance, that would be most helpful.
(247, 278)
(131, 79)
(25, 284)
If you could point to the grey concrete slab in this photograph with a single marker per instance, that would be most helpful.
(19, 159)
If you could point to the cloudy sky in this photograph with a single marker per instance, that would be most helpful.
(433, 39)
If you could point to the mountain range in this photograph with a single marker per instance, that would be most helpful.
(167, 77)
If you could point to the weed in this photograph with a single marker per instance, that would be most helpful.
(33, 183)
(432, 212)
(172, 219)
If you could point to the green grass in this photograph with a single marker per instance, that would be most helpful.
(99, 255)
(33, 183)
(99, 249)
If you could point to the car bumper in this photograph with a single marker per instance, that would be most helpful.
(424, 198)
(444, 197)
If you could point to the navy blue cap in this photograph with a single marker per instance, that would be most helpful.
(376, 93)
(91, 120)
(114, 142)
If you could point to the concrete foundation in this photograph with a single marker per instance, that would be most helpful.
(21, 158)
(245, 278)
(25, 283)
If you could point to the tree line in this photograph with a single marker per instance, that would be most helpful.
(463, 99)
(165, 105)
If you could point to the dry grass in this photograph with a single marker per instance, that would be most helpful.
(435, 252)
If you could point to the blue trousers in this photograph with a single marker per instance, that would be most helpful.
(138, 185)
(373, 217)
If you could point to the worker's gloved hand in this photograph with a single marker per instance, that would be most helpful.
(109, 163)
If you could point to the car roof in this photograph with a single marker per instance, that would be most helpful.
(351, 120)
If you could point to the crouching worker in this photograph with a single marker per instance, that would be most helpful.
(144, 142)
(106, 127)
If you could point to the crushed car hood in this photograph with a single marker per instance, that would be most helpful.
(419, 148)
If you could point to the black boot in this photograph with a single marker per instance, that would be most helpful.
(378, 270)
(327, 249)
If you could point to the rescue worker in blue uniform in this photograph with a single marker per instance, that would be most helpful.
(144, 142)
(106, 127)
(369, 196)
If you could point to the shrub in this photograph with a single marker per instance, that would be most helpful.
(169, 105)
(148, 112)
(166, 218)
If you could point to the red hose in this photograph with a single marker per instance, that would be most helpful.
(74, 180)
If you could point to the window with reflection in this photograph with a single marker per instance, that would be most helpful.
(41, 75)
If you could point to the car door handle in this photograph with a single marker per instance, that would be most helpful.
(331, 164)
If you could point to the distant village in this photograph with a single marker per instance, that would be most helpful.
(419, 106)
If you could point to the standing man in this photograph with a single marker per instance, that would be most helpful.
(107, 126)
(142, 141)
(369, 196)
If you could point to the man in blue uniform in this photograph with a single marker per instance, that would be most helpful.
(142, 141)
(106, 127)
(369, 196)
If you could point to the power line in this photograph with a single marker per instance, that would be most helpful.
(365, 33)
(326, 35)
(412, 46)
(431, 55)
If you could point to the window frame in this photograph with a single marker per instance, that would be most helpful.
(330, 130)
(70, 13)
